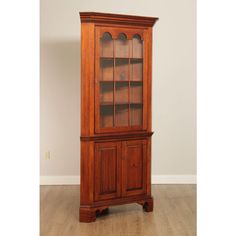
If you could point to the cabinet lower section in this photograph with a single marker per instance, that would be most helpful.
(112, 173)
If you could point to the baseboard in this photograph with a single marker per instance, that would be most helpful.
(156, 179)
(174, 179)
(60, 180)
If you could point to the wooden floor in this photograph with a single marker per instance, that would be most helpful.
(174, 214)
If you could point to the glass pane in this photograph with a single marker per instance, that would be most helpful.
(136, 69)
(122, 46)
(137, 47)
(106, 45)
(121, 69)
(136, 114)
(121, 81)
(136, 92)
(106, 93)
(106, 69)
(106, 116)
(121, 114)
(121, 92)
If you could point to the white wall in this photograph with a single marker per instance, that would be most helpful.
(174, 82)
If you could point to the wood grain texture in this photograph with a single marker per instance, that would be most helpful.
(174, 214)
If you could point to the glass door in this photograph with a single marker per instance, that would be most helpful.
(119, 92)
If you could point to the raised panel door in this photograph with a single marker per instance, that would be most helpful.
(107, 170)
(134, 167)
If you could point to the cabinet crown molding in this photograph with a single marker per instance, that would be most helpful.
(98, 17)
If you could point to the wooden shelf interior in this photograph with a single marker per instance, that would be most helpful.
(121, 69)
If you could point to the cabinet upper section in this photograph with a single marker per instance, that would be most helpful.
(96, 17)
(116, 73)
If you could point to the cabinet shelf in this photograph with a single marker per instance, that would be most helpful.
(121, 81)
(136, 81)
(125, 58)
(106, 104)
(120, 104)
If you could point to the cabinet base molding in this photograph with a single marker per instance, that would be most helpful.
(147, 205)
(90, 213)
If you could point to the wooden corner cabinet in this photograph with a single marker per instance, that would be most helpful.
(116, 76)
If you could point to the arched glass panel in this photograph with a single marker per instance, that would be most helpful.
(106, 86)
(106, 45)
(137, 46)
(136, 81)
(122, 46)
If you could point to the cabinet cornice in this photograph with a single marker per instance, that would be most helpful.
(98, 17)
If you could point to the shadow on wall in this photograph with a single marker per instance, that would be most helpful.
(60, 106)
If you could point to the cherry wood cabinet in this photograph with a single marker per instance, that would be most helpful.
(116, 75)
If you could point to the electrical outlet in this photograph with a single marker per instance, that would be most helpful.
(47, 155)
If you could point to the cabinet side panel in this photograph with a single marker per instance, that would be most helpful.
(86, 173)
(149, 166)
(87, 79)
(149, 81)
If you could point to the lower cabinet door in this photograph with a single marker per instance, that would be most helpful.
(107, 170)
(134, 167)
